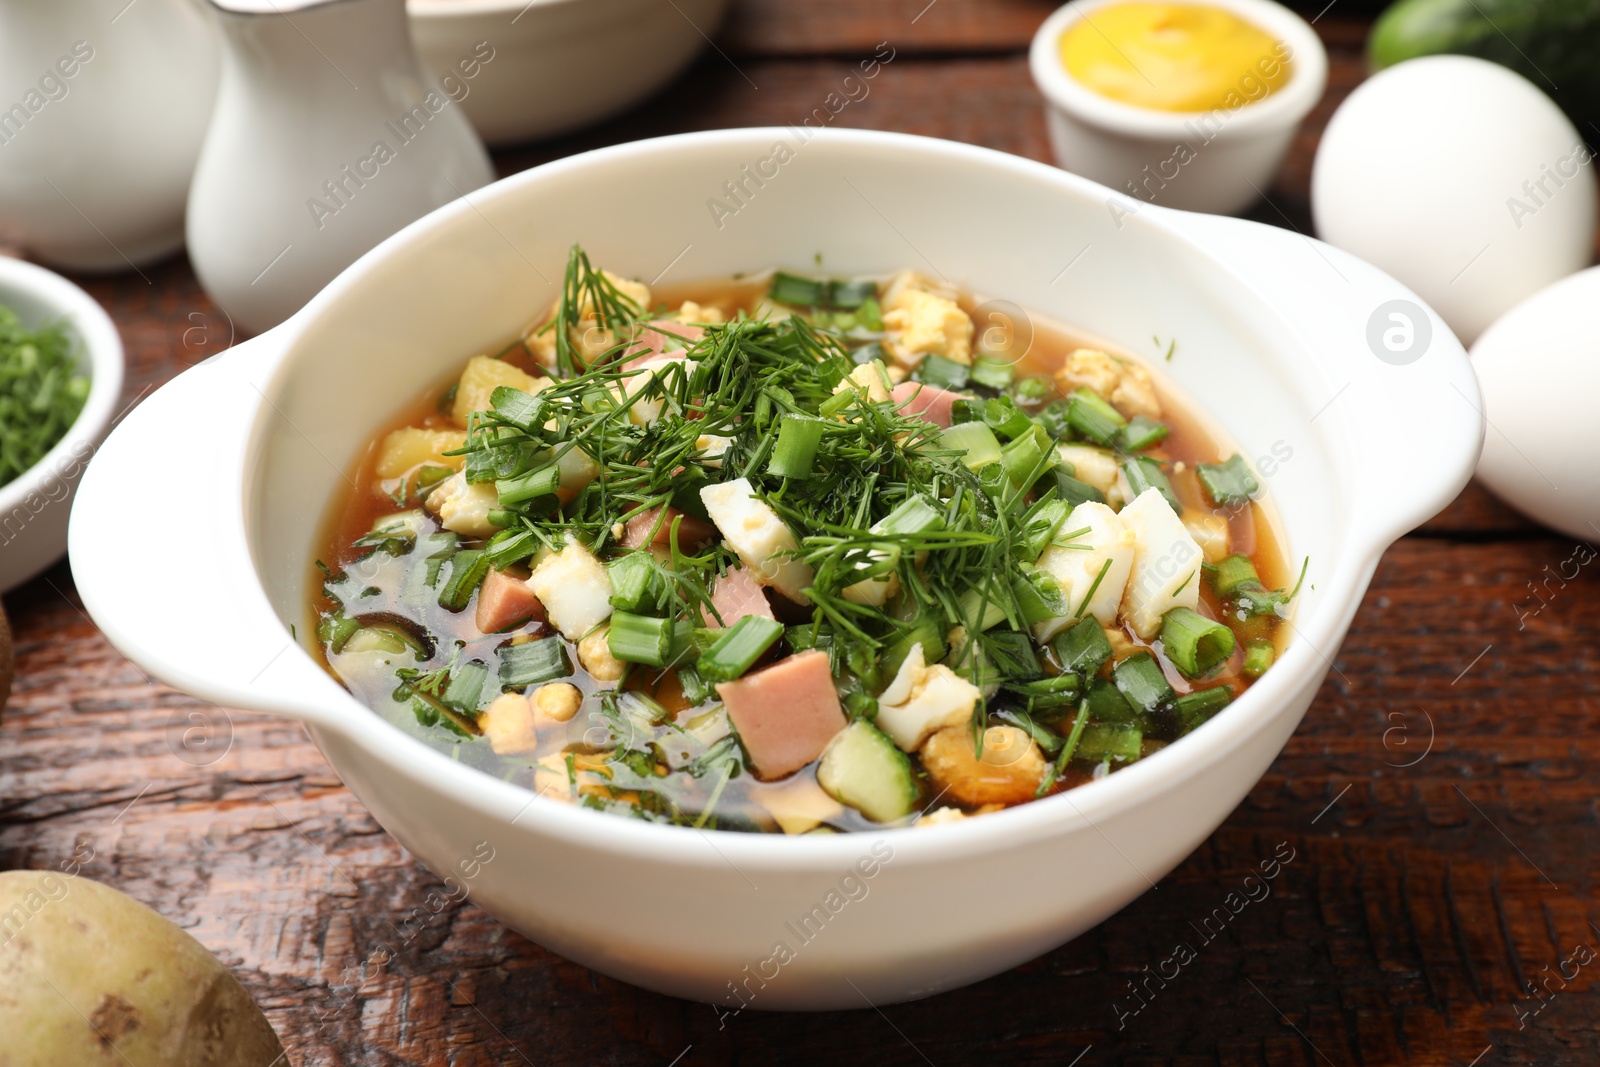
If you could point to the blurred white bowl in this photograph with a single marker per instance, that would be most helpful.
(1218, 161)
(557, 65)
(34, 506)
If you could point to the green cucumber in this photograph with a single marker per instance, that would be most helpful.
(1552, 43)
(861, 767)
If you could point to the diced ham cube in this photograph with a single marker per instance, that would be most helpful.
(692, 532)
(505, 602)
(785, 714)
(735, 595)
(654, 338)
(929, 401)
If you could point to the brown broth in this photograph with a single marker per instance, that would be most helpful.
(1252, 531)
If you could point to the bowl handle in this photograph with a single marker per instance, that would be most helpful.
(159, 549)
(1397, 385)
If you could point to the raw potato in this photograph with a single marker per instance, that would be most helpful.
(91, 977)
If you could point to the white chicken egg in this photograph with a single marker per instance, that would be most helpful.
(1460, 178)
(1539, 376)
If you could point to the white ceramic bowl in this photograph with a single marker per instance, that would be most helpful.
(1220, 161)
(35, 505)
(558, 64)
(1270, 341)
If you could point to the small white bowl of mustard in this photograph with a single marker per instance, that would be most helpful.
(1190, 104)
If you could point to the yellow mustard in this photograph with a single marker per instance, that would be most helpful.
(1174, 57)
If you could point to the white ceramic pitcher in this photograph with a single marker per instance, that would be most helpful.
(326, 139)
(103, 105)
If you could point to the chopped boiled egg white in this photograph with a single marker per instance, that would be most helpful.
(711, 448)
(1107, 547)
(923, 699)
(761, 539)
(1166, 563)
(405, 449)
(464, 507)
(1092, 466)
(1210, 532)
(921, 323)
(869, 378)
(574, 588)
(478, 382)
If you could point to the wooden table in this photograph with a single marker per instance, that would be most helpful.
(1439, 799)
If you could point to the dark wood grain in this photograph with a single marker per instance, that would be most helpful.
(1439, 798)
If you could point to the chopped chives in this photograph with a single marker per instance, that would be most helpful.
(870, 315)
(335, 630)
(1073, 491)
(974, 439)
(1076, 736)
(851, 294)
(914, 515)
(520, 409)
(1195, 644)
(1002, 415)
(1090, 415)
(1102, 741)
(1041, 524)
(1145, 473)
(1083, 648)
(524, 487)
(533, 663)
(1032, 391)
(696, 690)
(468, 688)
(635, 582)
(738, 648)
(1107, 704)
(992, 597)
(1228, 484)
(640, 638)
(1025, 460)
(1142, 433)
(1258, 657)
(1011, 654)
(941, 372)
(1196, 707)
(439, 545)
(510, 546)
(798, 439)
(1139, 679)
(796, 291)
(992, 373)
(467, 571)
(1053, 418)
(1038, 595)
(1232, 573)
(1047, 696)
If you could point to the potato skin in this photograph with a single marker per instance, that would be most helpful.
(89, 976)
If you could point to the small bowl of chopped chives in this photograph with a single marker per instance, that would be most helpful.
(60, 378)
